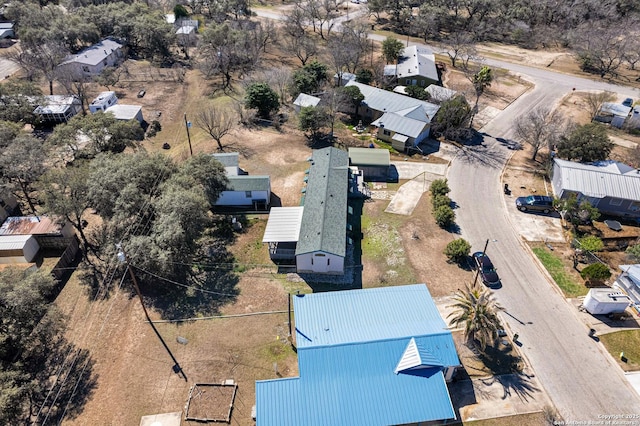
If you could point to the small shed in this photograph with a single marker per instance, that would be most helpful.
(373, 162)
(604, 301)
(18, 249)
(304, 100)
(126, 112)
(613, 113)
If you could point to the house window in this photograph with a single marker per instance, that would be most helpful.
(615, 202)
(247, 194)
(386, 132)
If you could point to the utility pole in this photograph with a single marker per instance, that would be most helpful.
(187, 124)
(122, 257)
(478, 271)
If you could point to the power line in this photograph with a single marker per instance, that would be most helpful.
(184, 285)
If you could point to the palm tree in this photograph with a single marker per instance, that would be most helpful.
(477, 310)
(481, 81)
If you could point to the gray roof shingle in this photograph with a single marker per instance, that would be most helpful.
(324, 221)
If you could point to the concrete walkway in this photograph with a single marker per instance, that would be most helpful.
(408, 195)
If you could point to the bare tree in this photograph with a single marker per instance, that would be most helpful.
(301, 46)
(75, 83)
(459, 45)
(40, 59)
(280, 79)
(217, 122)
(595, 100)
(540, 127)
(600, 48)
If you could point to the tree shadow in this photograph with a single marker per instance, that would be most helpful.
(71, 391)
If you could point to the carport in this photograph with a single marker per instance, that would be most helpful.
(282, 232)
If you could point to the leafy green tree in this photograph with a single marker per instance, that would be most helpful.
(391, 49)
(180, 11)
(262, 97)
(416, 92)
(587, 143)
(32, 344)
(21, 164)
(457, 251)
(452, 119)
(8, 132)
(633, 251)
(577, 211)
(64, 192)
(310, 78)
(439, 187)
(364, 76)
(354, 97)
(591, 243)
(445, 216)
(596, 272)
(476, 309)
(100, 132)
(17, 102)
(312, 119)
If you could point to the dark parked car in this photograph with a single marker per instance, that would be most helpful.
(628, 102)
(486, 269)
(536, 203)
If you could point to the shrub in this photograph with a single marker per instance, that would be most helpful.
(591, 243)
(633, 251)
(457, 250)
(441, 200)
(444, 216)
(439, 187)
(596, 271)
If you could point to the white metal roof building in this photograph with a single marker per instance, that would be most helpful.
(610, 186)
(283, 225)
(126, 112)
(304, 100)
(18, 248)
(382, 101)
(415, 62)
(598, 180)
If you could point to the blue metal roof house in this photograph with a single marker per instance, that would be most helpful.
(369, 357)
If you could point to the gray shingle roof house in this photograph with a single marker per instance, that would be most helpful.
(321, 245)
(416, 67)
(92, 60)
(402, 121)
(243, 190)
(612, 187)
(314, 235)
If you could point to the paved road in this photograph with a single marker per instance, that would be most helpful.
(581, 379)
